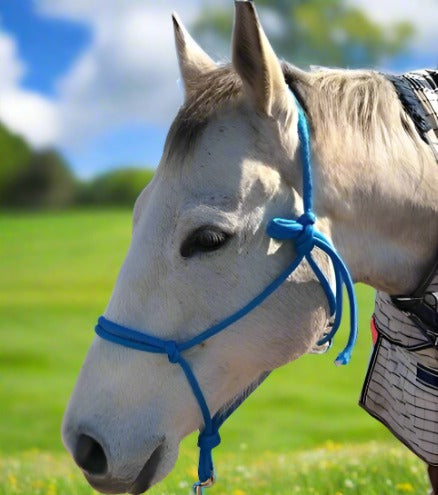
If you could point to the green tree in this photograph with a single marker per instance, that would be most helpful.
(326, 32)
(45, 182)
(14, 156)
(118, 187)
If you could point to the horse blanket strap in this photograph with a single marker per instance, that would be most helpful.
(302, 232)
(418, 92)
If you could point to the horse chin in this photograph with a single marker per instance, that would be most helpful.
(145, 478)
(107, 485)
(157, 467)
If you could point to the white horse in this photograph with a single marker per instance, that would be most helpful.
(199, 247)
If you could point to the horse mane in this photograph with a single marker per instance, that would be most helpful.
(362, 103)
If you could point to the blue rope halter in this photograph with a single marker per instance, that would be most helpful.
(305, 237)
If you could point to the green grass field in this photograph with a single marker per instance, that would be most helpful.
(56, 275)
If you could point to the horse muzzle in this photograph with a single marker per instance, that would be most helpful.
(92, 457)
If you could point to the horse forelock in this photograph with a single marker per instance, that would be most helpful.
(214, 90)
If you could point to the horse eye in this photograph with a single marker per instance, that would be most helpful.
(204, 240)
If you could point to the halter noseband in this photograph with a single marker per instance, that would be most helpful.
(305, 237)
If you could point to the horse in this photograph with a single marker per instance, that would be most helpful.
(199, 249)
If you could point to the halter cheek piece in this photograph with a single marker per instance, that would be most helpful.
(305, 237)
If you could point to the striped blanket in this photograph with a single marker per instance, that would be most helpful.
(425, 86)
(418, 92)
(401, 386)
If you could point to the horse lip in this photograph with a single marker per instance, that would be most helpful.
(108, 485)
(144, 479)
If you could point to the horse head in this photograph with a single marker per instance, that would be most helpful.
(199, 251)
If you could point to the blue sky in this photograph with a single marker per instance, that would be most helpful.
(47, 46)
(97, 78)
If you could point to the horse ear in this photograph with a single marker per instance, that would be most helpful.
(192, 59)
(255, 60)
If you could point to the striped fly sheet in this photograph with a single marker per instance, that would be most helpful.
(401, 386)
(418, 92)
(424, 83)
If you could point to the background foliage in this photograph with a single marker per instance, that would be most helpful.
(326, 32)
(118, 187)
(31, 179)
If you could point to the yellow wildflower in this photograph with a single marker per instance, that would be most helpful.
(51, 489)
(12, 481)
(238, 491)
(193, 472)
(332, 446)
(404, 487)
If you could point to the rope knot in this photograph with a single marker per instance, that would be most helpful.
(307, 218)
(304, 242)
(209, 441)
(172, 351)
(301, 231)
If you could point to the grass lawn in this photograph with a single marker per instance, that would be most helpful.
(334, 469)
(56, 275)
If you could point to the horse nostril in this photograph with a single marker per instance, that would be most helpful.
(89, 455)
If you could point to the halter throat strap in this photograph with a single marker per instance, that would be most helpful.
(303, 234)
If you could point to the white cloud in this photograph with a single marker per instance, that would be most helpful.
(11, 69)
(129, 72)
(30, 115)
(24, 112)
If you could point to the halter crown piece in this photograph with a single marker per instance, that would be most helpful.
(305, 237)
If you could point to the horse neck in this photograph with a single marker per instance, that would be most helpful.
(378, 190)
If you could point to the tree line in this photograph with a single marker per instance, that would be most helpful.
(32, 179)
